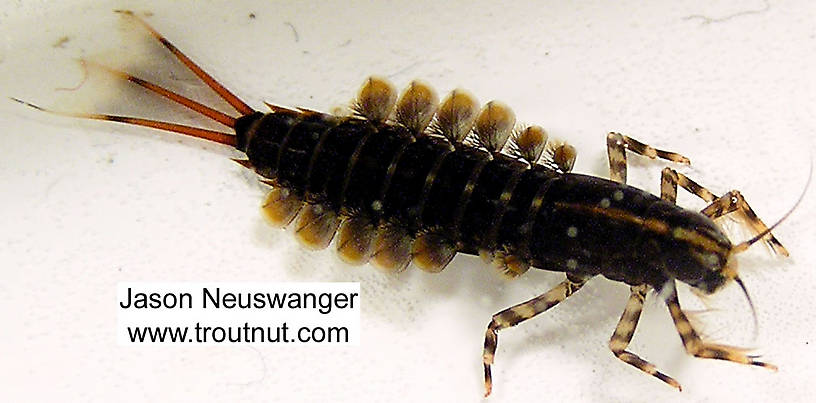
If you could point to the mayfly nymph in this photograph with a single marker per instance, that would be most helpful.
(408, 178)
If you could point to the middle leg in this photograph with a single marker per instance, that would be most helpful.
(626, 329)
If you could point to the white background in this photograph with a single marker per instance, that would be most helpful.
(85, 205)
(235, 311)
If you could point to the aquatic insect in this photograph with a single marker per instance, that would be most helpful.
(409, 179)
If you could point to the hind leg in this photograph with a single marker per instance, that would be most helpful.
(519, 313)
(616, 146)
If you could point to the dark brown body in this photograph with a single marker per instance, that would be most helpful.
(404, 183)
(478, 201)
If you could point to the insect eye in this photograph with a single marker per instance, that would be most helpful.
(711, 282)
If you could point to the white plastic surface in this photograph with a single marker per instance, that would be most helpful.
(85, 205)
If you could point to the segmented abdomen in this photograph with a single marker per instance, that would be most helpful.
(399, 196)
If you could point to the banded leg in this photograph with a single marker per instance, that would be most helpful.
(696, 346)
(626, 329)
(719, 206)
(519, 313)
(616, 146)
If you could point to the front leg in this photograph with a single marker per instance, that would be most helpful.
(695, 346)
(719, 206)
